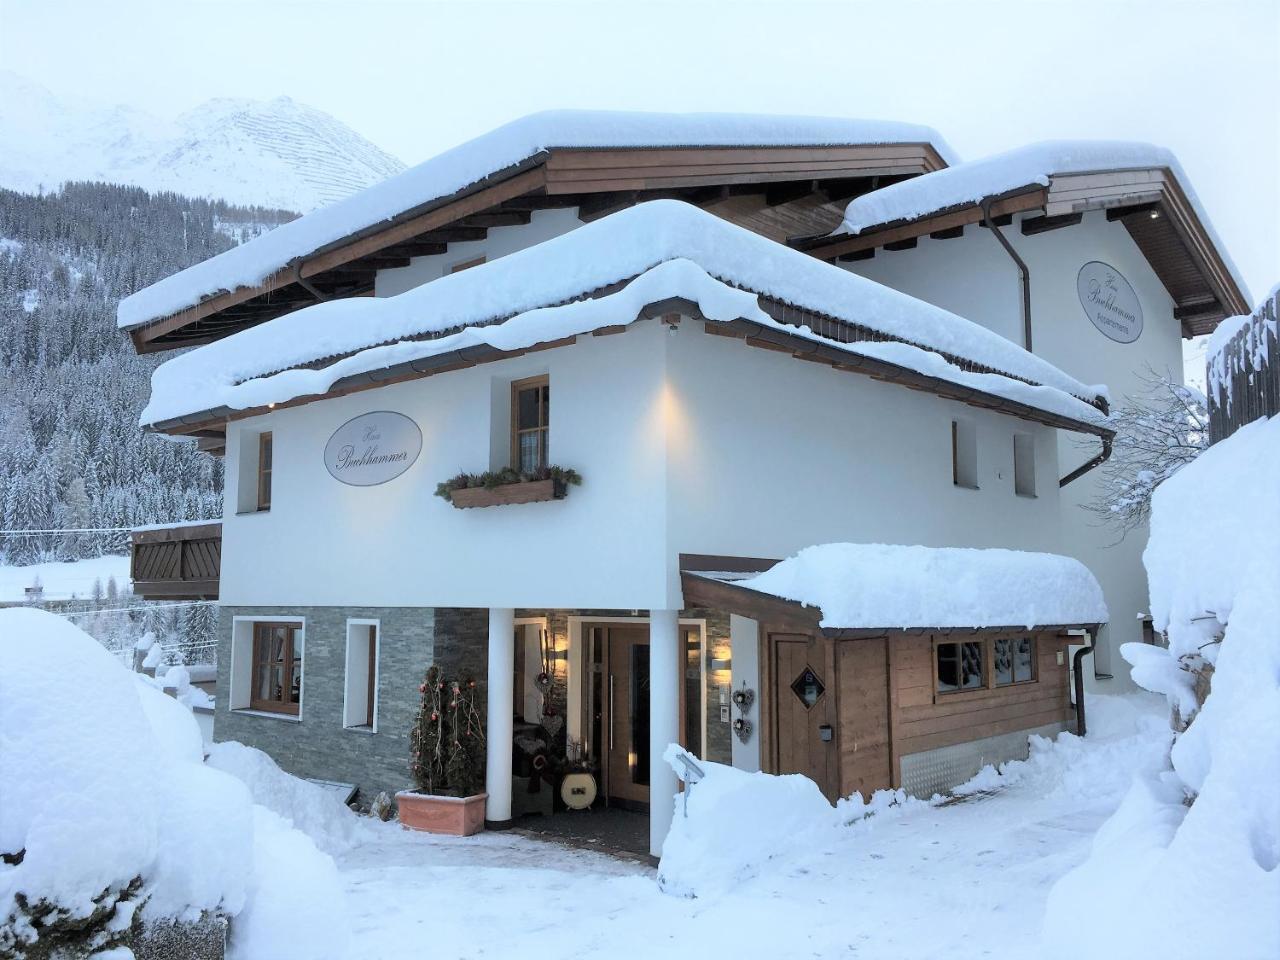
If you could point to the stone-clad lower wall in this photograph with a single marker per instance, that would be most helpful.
(317, 745)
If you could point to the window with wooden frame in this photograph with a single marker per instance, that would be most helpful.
(1013, 660)
(530, 423)
(264, 471)
(360, 698)
(959, 665)
(277, 667)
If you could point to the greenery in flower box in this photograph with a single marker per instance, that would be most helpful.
(492, 479)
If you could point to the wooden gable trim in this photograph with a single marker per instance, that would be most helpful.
(1190, 268)
(703, 592)
(441, 213)
(553, 177)
(754, 334)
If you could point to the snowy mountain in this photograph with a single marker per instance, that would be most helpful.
(277, 153)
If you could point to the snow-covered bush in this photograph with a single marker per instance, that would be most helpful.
(110, 819)
(1189, 866)
(731, 823)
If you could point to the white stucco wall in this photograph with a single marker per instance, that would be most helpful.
(543, 225)
(686, 442)
(974, 277)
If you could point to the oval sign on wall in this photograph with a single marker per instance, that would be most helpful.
(1109, 301)
(373, 448)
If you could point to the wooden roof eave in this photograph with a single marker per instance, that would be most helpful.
(703, 591)
(519, 180)
(753, 333)
(1072, 194)
(551, 173)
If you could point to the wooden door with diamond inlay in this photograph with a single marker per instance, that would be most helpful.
(801, 694)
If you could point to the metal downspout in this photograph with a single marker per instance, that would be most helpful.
(1088, 465)
(1023, 272)
(1077, 671)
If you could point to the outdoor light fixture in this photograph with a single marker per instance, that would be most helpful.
(1155, 214)
(723, 662)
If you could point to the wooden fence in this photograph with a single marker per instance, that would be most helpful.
(1243, 378)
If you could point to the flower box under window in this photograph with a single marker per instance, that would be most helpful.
(527, 491)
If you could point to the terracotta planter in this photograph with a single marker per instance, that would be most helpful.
(530, 491)
(453, 816)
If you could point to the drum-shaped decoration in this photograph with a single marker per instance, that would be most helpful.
(578, 790)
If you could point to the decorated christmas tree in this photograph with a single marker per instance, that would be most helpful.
(447, 743)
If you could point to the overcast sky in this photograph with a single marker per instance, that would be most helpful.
(1200, 77)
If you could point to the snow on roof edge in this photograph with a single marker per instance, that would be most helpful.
(886, 586)
(615, 248)
(487, 155)
(1000, 173)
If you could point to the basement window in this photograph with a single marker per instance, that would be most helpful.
(964, 454)
(1024, 465)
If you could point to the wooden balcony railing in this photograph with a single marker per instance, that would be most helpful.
(1243, 378)
(177, 563)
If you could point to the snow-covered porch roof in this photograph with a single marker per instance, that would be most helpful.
(657, 257)
(556, 157)
(1140, 184)
(850, 588)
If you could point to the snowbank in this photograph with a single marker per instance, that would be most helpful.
(501, 149)
(1208, 872)
(1028, 166)
(734, 823)
(333, 827)
(672, 249)
(877, 585)
(103, 783)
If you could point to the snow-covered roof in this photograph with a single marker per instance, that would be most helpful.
(969, 183)
(491, 153)
(662, 249)
(874, 585)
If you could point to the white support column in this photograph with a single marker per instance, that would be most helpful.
(500, 713)
(664, 721)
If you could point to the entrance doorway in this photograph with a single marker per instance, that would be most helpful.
(626, 727)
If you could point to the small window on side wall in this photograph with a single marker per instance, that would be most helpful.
(1024, 465)
(530, 423)
(360, 699)
(276, 670)
(960, 666)
(964, 454)
(264, 471)
(1015, 660)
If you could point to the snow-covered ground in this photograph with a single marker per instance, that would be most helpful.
(61, 580)
(961, 880)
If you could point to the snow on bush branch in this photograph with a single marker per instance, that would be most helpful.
(1158, 433)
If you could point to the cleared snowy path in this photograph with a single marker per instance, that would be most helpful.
(965, 880)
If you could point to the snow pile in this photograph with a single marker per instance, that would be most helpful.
(672, 249)
(333, 827)
(494, 152)
(102, 783)
(1028, 166)
(731, 823)
(1201, 840)
(878, 585)
(178, 680)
